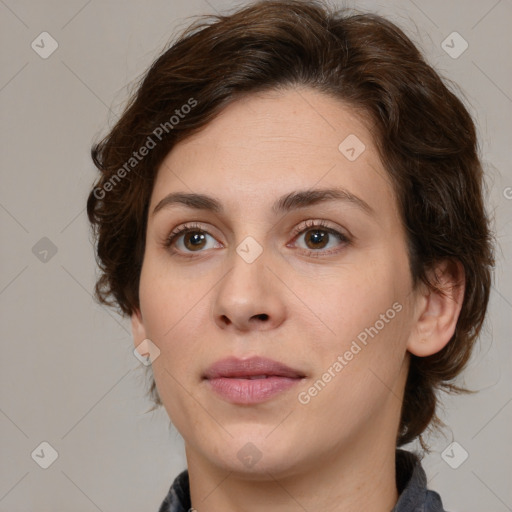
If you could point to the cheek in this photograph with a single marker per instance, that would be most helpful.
(364, 325)
(353, 298)
(166, 297)
(171, 312)
(175, 307)
(359, 374)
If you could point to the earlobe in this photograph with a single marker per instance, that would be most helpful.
(438, 311)
(138, 329)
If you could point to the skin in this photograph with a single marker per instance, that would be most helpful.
(337, 452)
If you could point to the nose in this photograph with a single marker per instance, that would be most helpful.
(249, 297)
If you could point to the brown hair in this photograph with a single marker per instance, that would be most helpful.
(425, 136)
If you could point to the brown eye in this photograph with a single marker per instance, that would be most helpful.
(316, 238)
(194, 240)
(189, 239)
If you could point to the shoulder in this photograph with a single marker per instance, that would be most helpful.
(178, 497)
(411, 482)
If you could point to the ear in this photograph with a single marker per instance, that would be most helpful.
(437, 313)
(138, 329)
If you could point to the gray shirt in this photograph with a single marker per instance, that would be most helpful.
(411, 483)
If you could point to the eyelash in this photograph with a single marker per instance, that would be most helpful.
(301, 229)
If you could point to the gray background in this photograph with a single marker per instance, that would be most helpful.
(68, 374)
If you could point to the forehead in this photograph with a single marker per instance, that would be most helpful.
(267, 144)
(312, 121)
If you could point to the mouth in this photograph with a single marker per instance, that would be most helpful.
(251, 368)
(250, 381)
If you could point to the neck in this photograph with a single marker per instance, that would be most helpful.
(354, 478)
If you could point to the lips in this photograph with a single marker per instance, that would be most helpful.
(250, 381)
(252, 368)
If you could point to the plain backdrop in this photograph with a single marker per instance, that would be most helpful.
(68, 374)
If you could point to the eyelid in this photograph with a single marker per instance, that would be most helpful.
(319, 223)
(344, 238)
(184, 228)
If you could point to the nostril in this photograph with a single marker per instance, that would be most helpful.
(262, 316)
(226, 320)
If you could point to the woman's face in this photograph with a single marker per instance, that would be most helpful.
(280, 269)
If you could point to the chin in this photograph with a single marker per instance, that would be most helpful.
(254, 457)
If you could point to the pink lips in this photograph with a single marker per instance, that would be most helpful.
(249, 381)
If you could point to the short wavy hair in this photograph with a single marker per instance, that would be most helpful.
(425, 137)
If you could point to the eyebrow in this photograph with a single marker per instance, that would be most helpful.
(293, 200)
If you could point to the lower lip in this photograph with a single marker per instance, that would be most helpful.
(251, 391)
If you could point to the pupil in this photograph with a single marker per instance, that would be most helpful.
(318, 237)
(196, 239)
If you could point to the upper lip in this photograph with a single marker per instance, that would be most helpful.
(253, 366)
